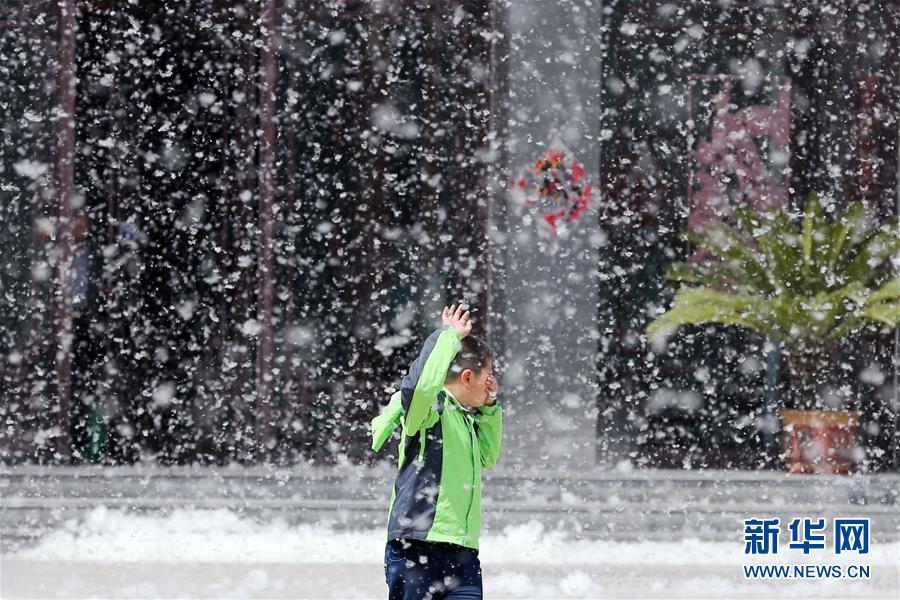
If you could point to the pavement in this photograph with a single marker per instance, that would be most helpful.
(23, 578)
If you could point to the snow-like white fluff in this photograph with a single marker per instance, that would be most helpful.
(226, 536)
(202, 536)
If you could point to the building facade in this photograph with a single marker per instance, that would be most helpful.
(228, 225)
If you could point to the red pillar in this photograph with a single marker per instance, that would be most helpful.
(66, 181)
(266, 196)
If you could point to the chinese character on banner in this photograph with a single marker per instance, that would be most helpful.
(741, 145)
(810, 537)
(555, 186)
(761, 536)
(851, 535)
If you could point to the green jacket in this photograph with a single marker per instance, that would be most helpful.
(443, 448)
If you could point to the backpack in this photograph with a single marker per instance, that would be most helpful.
(387, 420)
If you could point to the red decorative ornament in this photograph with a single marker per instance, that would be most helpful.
(555, 186)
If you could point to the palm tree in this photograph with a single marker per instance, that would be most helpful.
(807, 284)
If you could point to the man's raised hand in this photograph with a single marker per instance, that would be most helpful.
(456, 317)
(493, 388)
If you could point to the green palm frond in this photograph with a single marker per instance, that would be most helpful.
(884, 304)
(735, 255)
(693, 306)
(830, 312)
(816, 277)
(842, 232)
(813, 231)
(780, 246)
(710, 274)
(876, 248)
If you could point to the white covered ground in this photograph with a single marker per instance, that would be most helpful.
(219, 554)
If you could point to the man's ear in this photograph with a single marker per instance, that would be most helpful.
(466, 376)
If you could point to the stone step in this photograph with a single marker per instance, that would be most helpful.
(33, 512)
(776, 488)
(14, 503)
(638, 505)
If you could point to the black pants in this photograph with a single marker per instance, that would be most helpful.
(417, 570)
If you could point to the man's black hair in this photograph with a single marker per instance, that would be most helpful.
(474, 354)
